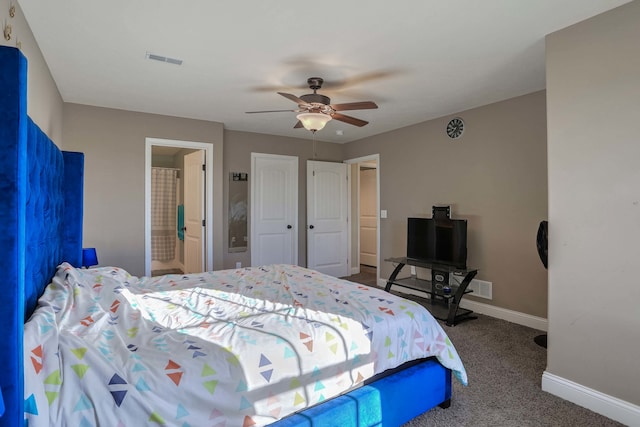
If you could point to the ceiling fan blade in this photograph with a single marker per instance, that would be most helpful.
(349, 119)
(298, 125)
(293, 98)
(364, 105)
(271, 111)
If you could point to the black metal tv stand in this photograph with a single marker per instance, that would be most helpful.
(442, 305)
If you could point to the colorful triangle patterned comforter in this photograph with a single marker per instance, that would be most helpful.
(228, 348)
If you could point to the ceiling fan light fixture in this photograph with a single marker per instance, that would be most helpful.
(313, 121)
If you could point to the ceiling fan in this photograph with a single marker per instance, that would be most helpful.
(316, 109)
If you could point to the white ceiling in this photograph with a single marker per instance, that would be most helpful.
(417, 59)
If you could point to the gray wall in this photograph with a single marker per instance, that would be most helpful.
(114, 145)
(495, 176)
(237, 158)
(593, 96)
(44, 103)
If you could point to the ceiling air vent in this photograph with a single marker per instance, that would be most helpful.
(163, 59)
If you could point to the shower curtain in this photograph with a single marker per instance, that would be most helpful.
(163, 213)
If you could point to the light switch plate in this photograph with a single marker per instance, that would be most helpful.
(383, 213)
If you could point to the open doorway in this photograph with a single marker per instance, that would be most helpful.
(167, 205)
(365, 220)
(172, 231)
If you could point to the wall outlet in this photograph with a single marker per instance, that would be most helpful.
(413, 270)
(238, 264)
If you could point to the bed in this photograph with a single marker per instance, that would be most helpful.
(355, 381)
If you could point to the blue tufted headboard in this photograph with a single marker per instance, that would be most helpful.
(41, 202)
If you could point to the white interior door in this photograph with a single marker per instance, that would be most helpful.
(368, 217)
(274, 209)
(194, 212)
(327, 227)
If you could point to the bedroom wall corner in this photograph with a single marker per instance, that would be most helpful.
(593, 88)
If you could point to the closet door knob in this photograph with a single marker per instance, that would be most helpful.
(311, 227)
(289, 226)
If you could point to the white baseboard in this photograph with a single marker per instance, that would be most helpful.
(535, 322)
(611, 407)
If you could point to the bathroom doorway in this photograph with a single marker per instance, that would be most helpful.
(175, 242)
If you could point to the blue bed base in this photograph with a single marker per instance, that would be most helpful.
(41, 204)
(390, 401)
(41, 192)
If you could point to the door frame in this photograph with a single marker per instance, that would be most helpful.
(354, 261)
(208, 149)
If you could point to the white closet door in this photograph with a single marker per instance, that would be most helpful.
(274, 209)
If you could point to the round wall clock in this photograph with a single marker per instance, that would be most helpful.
(455, 127)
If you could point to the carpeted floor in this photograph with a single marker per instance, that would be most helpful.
(505, 369)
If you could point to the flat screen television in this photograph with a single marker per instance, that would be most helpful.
(440, 241)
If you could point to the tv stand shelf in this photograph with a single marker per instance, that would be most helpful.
(443, 306)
